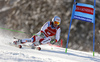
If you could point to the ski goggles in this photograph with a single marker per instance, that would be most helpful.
(55, 22)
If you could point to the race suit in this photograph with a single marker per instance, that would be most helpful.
(48, 30)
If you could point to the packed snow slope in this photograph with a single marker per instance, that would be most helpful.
(48, 53)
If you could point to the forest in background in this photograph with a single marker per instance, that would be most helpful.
(30, 15)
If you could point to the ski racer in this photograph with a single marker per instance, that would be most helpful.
(48, 30)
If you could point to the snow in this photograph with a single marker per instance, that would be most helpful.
(47, 54)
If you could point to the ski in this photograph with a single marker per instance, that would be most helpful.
(31, 47)
(22, 46)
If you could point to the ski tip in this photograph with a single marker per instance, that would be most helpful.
(20, 46)
(38, 48)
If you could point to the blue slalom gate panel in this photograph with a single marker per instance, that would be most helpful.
(84, 12)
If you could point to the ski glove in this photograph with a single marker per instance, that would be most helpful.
(53, 41)
(42, 35)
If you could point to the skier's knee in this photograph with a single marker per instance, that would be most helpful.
(40, 41)
(33, 38)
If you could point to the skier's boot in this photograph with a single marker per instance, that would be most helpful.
(17, 42)
(33, 46)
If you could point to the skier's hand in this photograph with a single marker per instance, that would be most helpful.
(53, 41)
(42, 35)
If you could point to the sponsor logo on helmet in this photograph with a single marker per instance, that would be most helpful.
(57, 19)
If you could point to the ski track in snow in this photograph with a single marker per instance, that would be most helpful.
(47, 54)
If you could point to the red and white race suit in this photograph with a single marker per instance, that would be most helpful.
(48, 31)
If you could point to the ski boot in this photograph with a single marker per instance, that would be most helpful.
(17, 42)
(34, 46)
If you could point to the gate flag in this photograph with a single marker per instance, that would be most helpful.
(84, 12)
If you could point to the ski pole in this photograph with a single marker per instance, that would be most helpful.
(16, 31)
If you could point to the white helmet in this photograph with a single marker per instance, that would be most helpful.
(57, 19)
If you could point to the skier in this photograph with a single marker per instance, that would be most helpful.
(48, 30)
